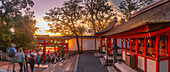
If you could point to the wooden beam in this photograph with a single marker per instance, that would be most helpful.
(140, 35)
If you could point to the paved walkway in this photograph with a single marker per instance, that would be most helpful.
(78, 63)
(67, 65)
(7, 67)
(89, 63)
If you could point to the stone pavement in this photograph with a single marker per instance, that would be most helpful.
(90, 63)
(7, 67)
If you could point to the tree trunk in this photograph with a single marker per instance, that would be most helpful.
(78, 48)
(95, 44)
(81, 44)
(93, 22)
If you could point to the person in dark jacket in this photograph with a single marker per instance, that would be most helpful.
(32, 62)
(26, 64)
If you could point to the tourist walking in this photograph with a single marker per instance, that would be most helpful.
(48, 59)
(26, 64)
(20, 58)
(12, 53)
(38, 60)
(32, 62)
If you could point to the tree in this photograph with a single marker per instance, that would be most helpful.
(24, 30)
(127, 7)
(100, 12)
(81, 30)
(8, 10)
(64, 20)
(98, 15)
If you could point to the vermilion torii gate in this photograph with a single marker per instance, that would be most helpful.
(45, 42)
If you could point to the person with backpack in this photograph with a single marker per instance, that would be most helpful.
(20, 58)
(32, 62)
(11, 54)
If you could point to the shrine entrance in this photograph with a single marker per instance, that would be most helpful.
(51, 45)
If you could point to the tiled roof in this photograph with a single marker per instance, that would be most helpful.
(160, 12)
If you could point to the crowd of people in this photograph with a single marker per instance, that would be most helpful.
(24, 58)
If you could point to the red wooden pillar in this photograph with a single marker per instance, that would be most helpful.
(125, 46)
(130, 46)
(136, 56)
(44, 50)
(157, 53)
(145, 51)
(109, 42)
(169, 49)
(66, 48)
(109, 45)
(122, 48)
(101, 44)
(54, 49)
(137, 45)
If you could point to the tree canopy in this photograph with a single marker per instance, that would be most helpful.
(99, 11)
(128, 7)
(65, 19)
(10, 15)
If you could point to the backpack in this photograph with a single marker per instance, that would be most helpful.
(11, 53)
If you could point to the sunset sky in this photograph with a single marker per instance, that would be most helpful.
(42, 6)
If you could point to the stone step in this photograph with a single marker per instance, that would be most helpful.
(111, 69)
(123, 67)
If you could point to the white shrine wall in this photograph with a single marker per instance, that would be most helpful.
(141, 62)
(151, 65)
(163, 66)
(88, 44)
(124, 57)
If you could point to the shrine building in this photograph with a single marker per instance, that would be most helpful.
(145, 37)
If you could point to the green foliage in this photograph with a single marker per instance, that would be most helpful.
(128, 7)
(100, 12)
(61, 50)
(24, 30)
(9, 10)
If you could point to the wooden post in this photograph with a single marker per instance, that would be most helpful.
(121, 48)
(109, 42)
(106, 45)
(137, 45)
(169, 50)
(66, 48)
(125, 46)
(44, 49)
(54, 49)
(145, 51)
(130, 46)
(101, 44)
(136, 56)
(157, 53)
